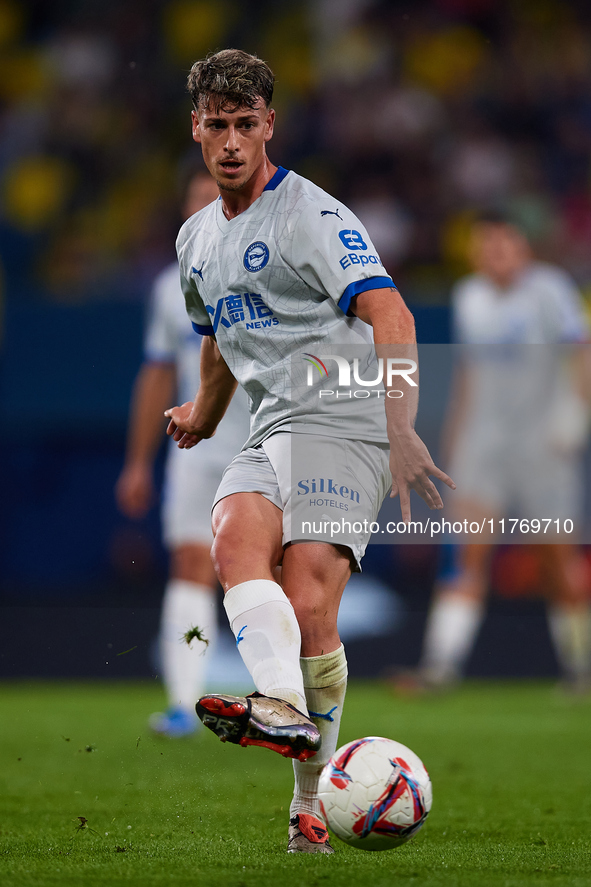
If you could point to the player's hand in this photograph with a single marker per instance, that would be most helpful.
(181, 428)
(134, 491)
(411, 466)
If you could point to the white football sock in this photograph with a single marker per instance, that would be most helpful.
(325, 683)
(570, 629)
(452, 626)
(186, 605)
(268, 638)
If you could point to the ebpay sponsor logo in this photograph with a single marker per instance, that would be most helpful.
(354, 242)
(386, 371)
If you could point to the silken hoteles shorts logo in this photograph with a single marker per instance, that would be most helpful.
(256, 256)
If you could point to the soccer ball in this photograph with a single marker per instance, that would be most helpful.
(375, 793)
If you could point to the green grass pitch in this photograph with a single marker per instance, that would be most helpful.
(510, 764)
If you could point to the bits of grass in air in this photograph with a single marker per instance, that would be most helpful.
(195, 633)
(84, 826)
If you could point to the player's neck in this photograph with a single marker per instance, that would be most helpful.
(507, 281)
(236, 202)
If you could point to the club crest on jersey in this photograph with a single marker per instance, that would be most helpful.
(256, 256)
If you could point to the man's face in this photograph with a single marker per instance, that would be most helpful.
(499, 251)
(201, 191)
(233, 142)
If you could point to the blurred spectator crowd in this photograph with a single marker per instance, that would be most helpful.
(418, 114)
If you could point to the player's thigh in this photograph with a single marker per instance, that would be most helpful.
(314, 577)
(566, 571)
(465, 571)
(247, 545)
(192, 563)
(475, 558)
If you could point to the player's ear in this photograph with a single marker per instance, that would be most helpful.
(196, 129)
(269, 124)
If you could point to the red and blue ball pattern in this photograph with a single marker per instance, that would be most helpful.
(375, 793)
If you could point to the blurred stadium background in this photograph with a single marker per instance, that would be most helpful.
(417, 114)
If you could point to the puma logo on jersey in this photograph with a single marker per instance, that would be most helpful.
(329, 212)
(198, 270)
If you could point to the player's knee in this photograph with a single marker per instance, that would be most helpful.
(315, 612)
(222, 556)
(238, 558)
(192, 563)
(322, 564)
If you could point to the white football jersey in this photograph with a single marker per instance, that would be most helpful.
(541, 307)
(517, 354)
(274, 284)
(169, 338)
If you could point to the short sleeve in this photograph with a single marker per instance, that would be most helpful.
(161, 334)
(198, 315)
(571, 323)
(459, 332)
(332, 252)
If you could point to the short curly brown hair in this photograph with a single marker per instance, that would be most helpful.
(230, 79)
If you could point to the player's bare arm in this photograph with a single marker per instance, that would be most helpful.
(198, 420)
(153, 390)
(410, 462)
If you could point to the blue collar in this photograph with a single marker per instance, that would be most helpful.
(276, 179)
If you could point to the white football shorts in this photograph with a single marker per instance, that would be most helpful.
(191, 480)
(329, 489)
(518, 481)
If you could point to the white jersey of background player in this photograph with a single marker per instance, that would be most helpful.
(191, 480)
(172, 354)
(520, 425)
(269, 273)
(520, 403)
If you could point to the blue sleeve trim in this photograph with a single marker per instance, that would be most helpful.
(361, 286)
(276, 179)
(202, 330)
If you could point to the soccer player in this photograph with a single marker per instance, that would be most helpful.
(270, 272)
(172, 364)
(513, 445)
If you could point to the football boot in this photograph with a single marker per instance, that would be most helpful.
(174, 723)
(307, 835)
(260, 720)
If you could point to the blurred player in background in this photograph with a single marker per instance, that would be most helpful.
(171, 368)
(267, 275)
(513, 441)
